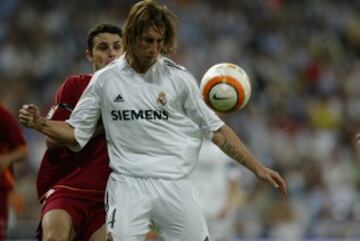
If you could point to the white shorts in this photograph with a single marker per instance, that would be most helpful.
(133, 204)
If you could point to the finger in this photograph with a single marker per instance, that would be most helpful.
(272, 181)
(24, 119)
(25, 116)
(33, 108)
(281, 184)
(25, 110)
(269, 178)
(26, 107)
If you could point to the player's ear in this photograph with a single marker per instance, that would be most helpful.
(89, 55)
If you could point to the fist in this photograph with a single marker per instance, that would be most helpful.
(29, 116)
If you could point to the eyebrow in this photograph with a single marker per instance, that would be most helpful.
(114, 42)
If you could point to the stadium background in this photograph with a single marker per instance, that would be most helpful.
(303, 57)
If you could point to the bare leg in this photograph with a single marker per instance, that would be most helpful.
(99, 234)
(57, 226)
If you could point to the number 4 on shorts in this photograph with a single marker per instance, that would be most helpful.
(112, 218)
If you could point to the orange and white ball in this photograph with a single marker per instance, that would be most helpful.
(225, 87)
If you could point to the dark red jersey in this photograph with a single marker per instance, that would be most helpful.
(60, 167)
(11, 138)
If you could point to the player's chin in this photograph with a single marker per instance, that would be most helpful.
(150, 59)
(108, 62)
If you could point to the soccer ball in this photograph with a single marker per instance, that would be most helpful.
(225, 87)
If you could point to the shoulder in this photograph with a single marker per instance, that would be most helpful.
(73, 86)
(179, 73)
(171, 65)
(174, 69)
(77, 79)
(109, 70)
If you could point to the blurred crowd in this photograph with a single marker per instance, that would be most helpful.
(303, 57)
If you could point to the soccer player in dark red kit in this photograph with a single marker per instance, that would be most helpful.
(12, 149)
(71, 185)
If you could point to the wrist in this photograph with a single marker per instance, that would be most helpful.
(258, 170)
(41, 124)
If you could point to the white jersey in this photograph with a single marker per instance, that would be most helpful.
(154, 122)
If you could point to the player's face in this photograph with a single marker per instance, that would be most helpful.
(106, 48)
(148, 47)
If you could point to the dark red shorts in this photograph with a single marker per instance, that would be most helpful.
(3, 214)
(85, 208)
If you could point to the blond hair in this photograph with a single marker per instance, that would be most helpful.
(150, 13)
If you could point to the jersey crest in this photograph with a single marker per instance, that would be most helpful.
(161, 100)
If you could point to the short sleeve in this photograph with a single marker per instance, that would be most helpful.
(86, 114)
(65, 96)
(197, 110)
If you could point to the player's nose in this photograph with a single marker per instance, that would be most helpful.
(153, 48)
(112, 53)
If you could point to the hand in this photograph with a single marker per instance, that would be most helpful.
(30, 116)
(273, 178)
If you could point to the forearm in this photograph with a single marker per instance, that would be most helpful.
(58, 132)
(230, 144)
(52, 143)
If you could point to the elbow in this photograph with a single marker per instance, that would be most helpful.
(48, 143)
(51, 143)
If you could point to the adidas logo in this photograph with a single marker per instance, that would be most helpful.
(119, 98)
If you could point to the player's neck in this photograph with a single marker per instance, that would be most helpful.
(137, 65)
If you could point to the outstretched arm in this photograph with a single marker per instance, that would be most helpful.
(229, 142)
(30, 116)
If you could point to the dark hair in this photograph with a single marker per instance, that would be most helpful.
(102, 28)
(150, 13)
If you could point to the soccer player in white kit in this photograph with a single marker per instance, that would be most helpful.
(154, 120)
